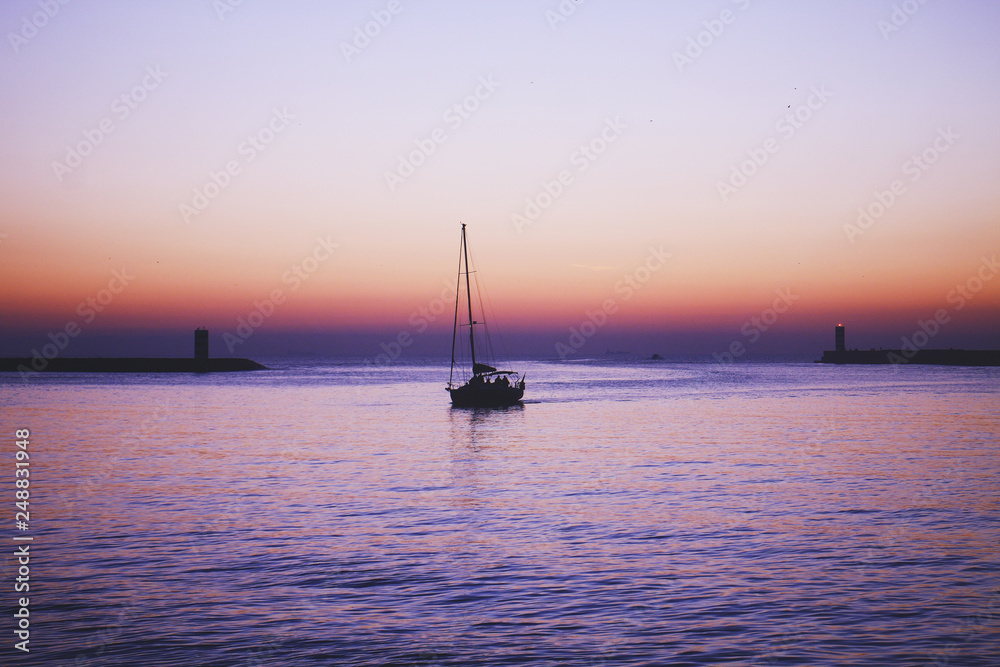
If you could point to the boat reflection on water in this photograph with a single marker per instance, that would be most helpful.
(487, 387)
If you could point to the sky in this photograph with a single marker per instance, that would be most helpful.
(679, 178)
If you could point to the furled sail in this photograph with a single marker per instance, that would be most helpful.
(480, 369)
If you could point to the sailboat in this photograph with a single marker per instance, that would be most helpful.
(488, 387)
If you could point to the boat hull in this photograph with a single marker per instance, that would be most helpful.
(486, 395)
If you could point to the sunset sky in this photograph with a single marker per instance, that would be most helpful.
(212, 153)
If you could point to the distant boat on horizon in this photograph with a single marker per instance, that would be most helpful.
(488, 387)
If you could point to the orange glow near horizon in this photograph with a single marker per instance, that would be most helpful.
(643, 226)
(329, 301)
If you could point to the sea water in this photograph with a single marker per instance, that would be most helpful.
(629, 513)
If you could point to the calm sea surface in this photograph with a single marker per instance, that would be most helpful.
(626, 514)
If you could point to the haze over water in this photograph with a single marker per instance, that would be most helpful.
(629, 513)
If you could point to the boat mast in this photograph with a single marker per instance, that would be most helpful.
(468, 296)
(454, 329)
